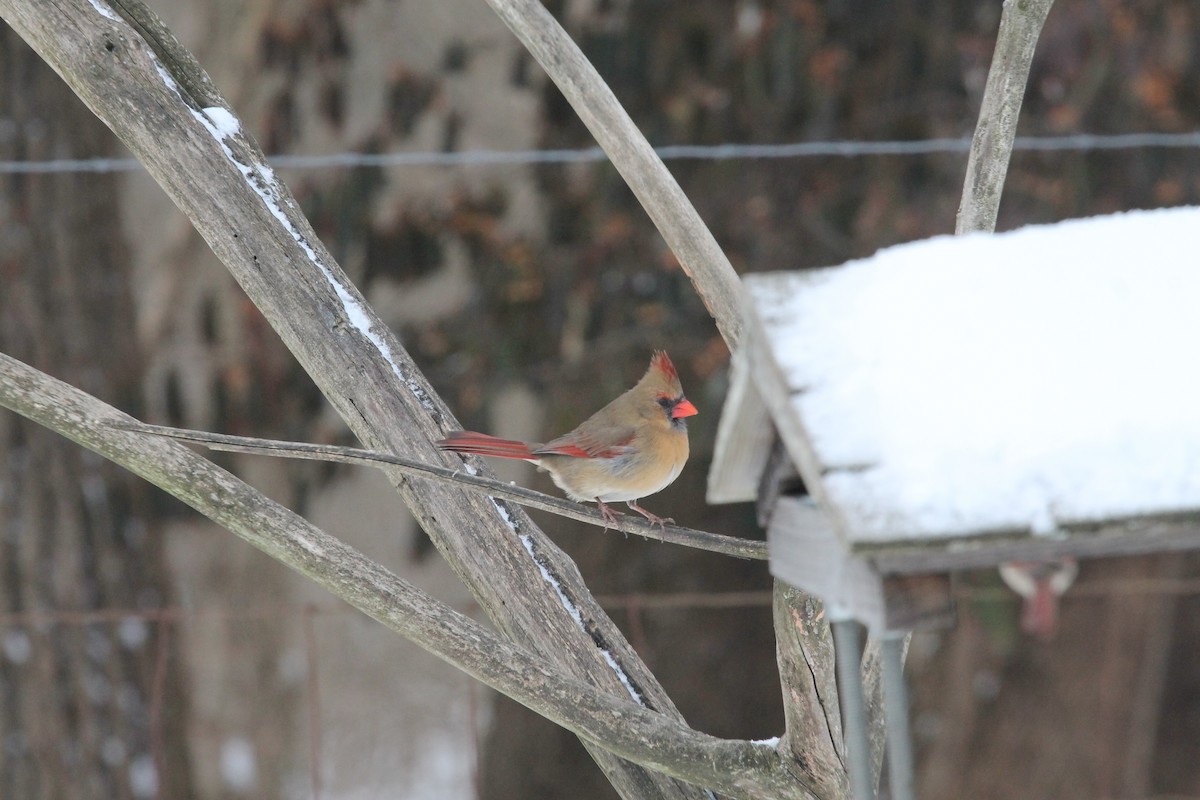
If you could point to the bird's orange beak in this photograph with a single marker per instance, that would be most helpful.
(683, 408)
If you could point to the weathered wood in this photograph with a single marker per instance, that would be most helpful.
(1117, 538)
(744, 436)
(806, 552)
(991, 146)
(133, 75)
(895, 603)
(623, 523)
(690, 241)
(662, 742)
(779, 479)
(807, 673)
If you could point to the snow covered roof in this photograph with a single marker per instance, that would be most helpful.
(1025, 384)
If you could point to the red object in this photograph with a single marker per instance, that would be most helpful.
(1041, 583)
(633, 447)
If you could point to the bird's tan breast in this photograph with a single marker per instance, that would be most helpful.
(654, 459)
(658, 458)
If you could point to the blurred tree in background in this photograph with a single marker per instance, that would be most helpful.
(551, 279)
(85, 710)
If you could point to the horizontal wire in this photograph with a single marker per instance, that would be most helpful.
(1079, 142)
(646, 601)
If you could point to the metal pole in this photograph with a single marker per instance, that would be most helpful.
(847, 645)
(895, 712)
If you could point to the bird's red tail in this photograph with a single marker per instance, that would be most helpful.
(483, 445)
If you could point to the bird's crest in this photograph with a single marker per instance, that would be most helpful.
(661, 379)
(662, 362)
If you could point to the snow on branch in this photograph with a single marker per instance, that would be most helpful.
(740, 769)
(132, 73)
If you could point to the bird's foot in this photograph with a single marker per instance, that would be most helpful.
(655, 519)
(610, 516)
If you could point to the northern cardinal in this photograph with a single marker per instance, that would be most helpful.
(633, 447)
(1041, 583)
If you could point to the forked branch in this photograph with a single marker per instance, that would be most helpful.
(133, 75)
(659, 742)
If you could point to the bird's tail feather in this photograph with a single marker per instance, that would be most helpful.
(483, 445)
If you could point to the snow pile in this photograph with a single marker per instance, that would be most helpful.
(1023, 380)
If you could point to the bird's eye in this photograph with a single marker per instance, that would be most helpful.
(665, 401)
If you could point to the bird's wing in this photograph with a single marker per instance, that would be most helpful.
(601, 443)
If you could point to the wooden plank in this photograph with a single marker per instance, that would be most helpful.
(807, 553)
(1132, 537)
(777, 396)
(779, 479)
(744, 436)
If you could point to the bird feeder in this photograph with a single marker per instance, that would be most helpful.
(967, 402)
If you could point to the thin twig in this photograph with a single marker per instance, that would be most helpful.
(659, 743)
(672, 534)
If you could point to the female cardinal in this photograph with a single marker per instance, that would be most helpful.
(633, 447)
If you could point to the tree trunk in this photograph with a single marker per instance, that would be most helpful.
(89, 706)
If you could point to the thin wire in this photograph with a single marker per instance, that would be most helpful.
(1080, 142)
(1115, 587)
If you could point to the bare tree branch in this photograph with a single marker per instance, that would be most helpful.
(811, 696)
(685, 233)
(145, 86)
(806, 671)
(660, 742)
(991, 147)
(672, 534)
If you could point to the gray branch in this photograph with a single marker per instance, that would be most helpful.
(806, 670)
(660, 742)
(805, 660)
(991, 147)
(144, 85)
(685, 233)
(673, 534)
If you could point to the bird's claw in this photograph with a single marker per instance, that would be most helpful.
(655, 519)
(610, 516)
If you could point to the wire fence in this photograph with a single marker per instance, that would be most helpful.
(1080, 142)
(633, 605)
